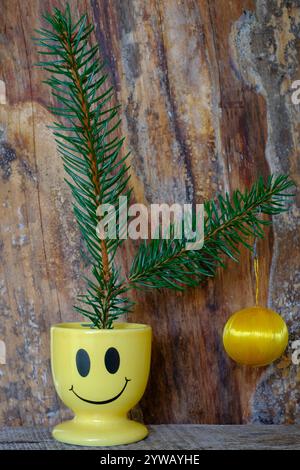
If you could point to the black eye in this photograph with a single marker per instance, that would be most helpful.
(112, 360)
(83, 362)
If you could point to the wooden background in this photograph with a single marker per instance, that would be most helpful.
(206, 92)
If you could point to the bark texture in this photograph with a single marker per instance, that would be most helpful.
(206, 92)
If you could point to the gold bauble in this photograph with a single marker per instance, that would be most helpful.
(255, 336)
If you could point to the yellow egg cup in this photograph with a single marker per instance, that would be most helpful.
(100, 375)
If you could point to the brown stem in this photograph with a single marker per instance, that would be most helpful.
(91, 154)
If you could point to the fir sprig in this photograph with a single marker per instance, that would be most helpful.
(89, 148)
(229, 224)
(86, 138)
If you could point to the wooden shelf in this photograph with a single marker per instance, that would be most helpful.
(172, 437)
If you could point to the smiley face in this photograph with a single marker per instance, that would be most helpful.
(100, 371)
(112, 364)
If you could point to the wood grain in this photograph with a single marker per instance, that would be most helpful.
(168, 437)
(205, 89)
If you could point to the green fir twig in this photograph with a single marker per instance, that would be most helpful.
(90, 150)
(229, 223)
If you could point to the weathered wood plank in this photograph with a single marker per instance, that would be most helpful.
(171, 437)
(205, 93)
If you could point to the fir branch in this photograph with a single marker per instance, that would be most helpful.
(90, 152)
(166, 263)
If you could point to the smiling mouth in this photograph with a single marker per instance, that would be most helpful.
(104, 401)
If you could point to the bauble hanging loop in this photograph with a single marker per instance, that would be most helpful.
(255, 336)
